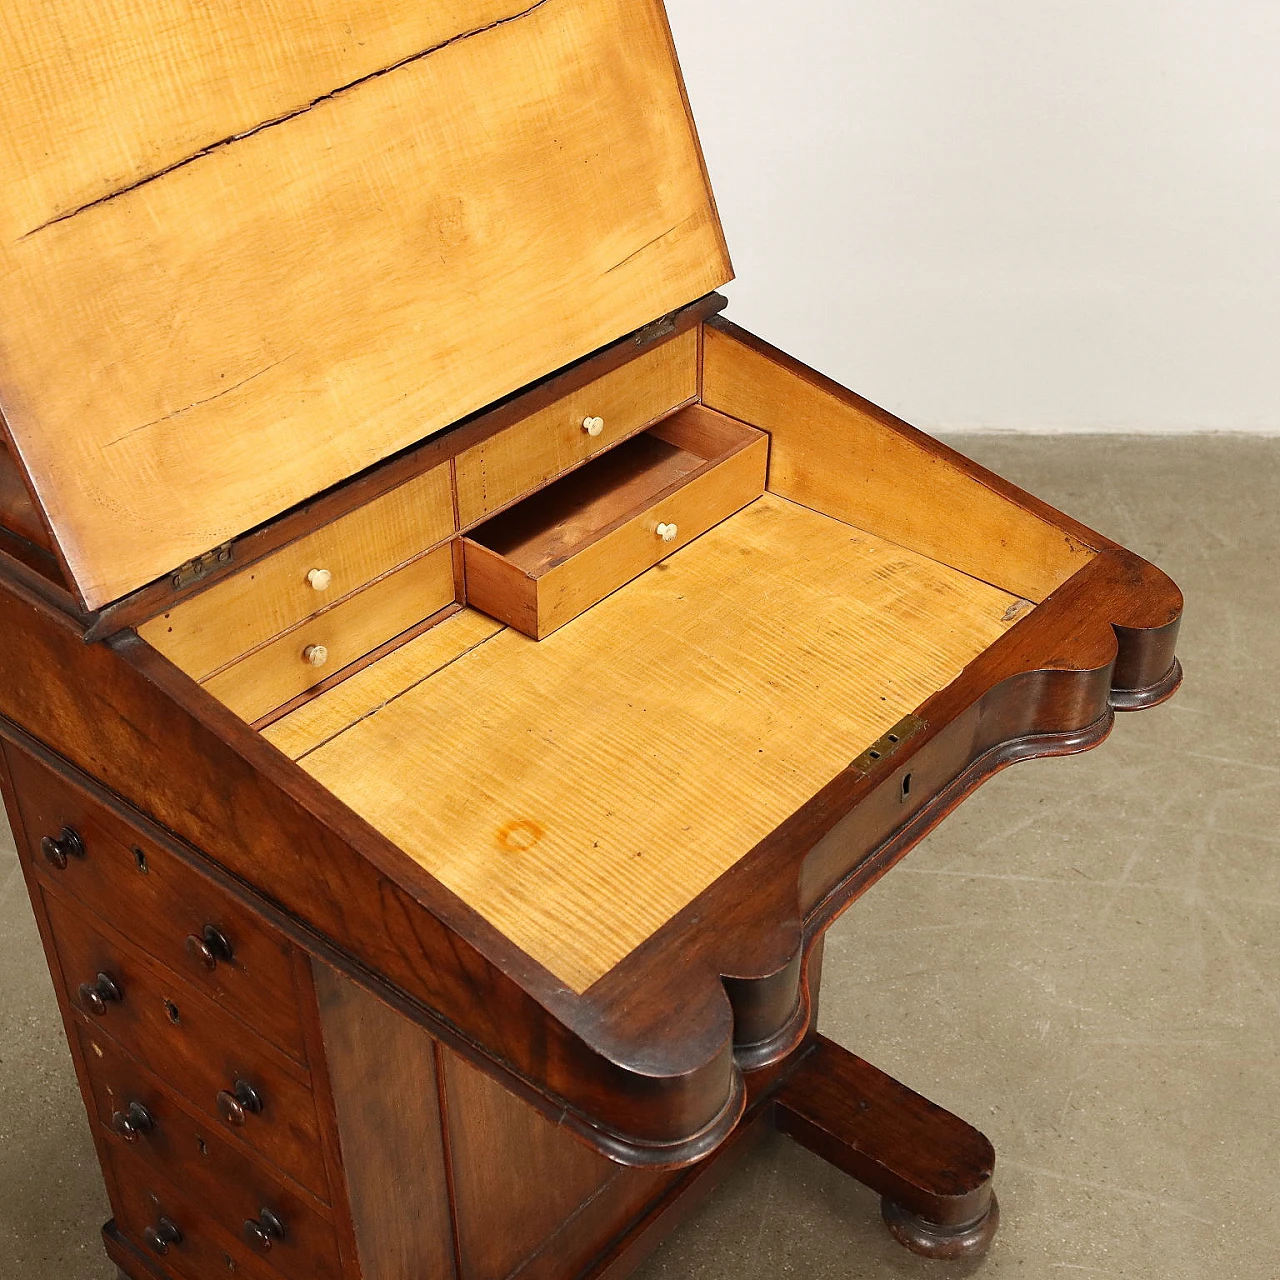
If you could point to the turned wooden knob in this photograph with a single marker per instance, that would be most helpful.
(668, 532)
(209, 947)
(320, 579)
(237, 1104)
(264, 1230)
(316, 654)
(95, 996)
(67, 845)
(593, 426)
(131, 1123)
(161, 1236)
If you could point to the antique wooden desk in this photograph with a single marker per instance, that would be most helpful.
(451, 678)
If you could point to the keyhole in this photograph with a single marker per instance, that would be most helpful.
(203, 1147)
(172, 1010)
(141, 859)
(906, 785)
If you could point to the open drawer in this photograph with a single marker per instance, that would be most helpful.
(550, 558)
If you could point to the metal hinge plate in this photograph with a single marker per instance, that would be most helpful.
(185, 574)
(656, 330)
(878, 752)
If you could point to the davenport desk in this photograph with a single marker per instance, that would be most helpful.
(451, 677)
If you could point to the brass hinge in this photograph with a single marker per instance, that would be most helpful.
(656, 330)
(185, 574)
(878, 752)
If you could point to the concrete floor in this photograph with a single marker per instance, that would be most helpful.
(1084, 960)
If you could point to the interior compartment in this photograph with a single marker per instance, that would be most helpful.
(544, 561)
(579, 790)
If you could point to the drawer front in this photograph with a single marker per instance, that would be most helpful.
(208, 631)
(174, 1231)
(283, 669)
(552, 441)
(539, 605)
(248, 1088)
(162, 905)
(145, 1126)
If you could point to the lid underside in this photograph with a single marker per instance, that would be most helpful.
(246, 253)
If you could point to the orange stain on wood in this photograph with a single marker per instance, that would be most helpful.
(520, 835)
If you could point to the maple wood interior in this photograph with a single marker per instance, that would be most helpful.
(754, 661)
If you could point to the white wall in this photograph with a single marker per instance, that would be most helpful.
(1006, 214)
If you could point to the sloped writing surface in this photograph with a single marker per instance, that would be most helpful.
(190, 353)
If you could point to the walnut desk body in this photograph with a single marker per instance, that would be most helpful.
(440, 718)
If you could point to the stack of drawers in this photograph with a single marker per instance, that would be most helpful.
(193, 1044)
(290, 621)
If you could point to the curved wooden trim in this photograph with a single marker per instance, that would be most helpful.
(1151, 695)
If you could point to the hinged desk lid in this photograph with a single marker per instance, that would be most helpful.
(247, 249)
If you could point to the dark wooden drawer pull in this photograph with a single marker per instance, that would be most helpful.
(136, 1120)
(238, 1104)
(210, 947)
(95, 996)
(67, 845)
(264, 1230)
(162, 1235)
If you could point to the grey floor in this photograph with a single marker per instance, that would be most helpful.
(1084, 960)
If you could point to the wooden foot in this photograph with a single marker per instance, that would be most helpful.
(932, 1170)
(930, 1240)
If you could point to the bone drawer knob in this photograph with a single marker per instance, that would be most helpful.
(593, 426)
(316, 654)
(668, 532)
(320, 579)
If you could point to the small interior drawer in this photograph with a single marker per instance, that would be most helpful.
(546, 444)
(326, 643)
(206, 632)
(551, 557)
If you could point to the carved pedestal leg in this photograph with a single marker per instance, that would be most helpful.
(932, 1170)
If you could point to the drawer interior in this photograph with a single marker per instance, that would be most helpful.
(566, 517)
(545, 561)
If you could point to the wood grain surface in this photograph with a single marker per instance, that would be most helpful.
(367, 691)
(383, 1070)
(837, 453)
(548, 443)
(578, 791)
(564, 549)
(271, 675)
(293, 292)
(212, 629)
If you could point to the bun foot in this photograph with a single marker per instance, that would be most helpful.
(932, 1240)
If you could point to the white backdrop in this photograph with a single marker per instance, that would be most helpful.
(1006, 214)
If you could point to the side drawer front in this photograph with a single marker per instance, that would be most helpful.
(493, 474)
(183, 1148)
(280, 671)
(196, 1049)
(146, 1202)
(211, 629)
(160, 902)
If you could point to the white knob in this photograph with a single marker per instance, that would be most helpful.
(668, 532)
(593, 426)
(320, 579)
(316, 654)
